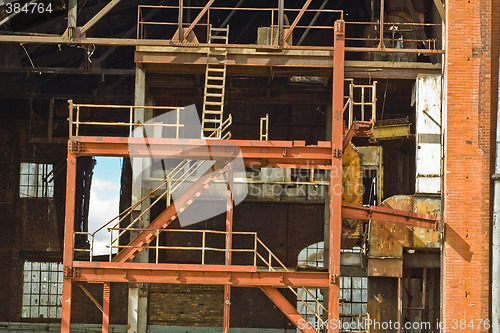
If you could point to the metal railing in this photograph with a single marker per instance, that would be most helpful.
(264, 128)
(361, 36)
(222, 132)
(123, 119)
(366, 102)
(260, 253)
(179, 29)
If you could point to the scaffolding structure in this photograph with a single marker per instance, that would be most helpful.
(265, 271)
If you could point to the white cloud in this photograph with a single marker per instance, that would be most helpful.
(103, 208)
(102, 184)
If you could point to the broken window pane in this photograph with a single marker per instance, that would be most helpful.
(42, 290)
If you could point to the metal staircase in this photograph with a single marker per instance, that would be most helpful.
(170, 213)
(213, 125)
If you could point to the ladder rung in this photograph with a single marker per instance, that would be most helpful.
(214, 95)
(214, 86)
(213, 103)
(216, 69)
(220, 29)
(212, 112)
(218, 37)
(219, 78)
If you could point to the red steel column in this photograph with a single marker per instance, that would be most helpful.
(336, 178)
(229, 245)
(105, 306)
(68, 242)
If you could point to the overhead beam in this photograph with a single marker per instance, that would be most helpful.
(389, 215)
(167, 42)
(254, 152)
(237, 276)
(98, 16)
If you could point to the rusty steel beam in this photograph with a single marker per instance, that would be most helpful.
(58, 39)
(198, 18)
(68, 241)
(105, 306)
(236, 276)
(288, 309)
(297, 19)
(389, 215)
(229, 246)
(171, 212)
(98, 16)
(90, 296)
(335, 218)
(255, 153)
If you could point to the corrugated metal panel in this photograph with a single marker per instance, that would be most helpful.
(428, 134)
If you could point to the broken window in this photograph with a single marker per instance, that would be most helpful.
(353, 291)
(36, 181)
(353, 297)
(42, 290)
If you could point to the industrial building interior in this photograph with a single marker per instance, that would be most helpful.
(281, 166)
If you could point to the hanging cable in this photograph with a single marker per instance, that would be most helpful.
(383, 103)
(26, 51)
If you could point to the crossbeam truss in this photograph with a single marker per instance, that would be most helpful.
(327, 155)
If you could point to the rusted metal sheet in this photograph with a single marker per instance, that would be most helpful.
(391, 132)
(370, 156)
(385, 267)
(389, 240)
(352, 182)
(390, 215)
(425, 237)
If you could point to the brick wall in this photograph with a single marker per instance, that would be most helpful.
(31, 227)
(186, 305)
(472, 72)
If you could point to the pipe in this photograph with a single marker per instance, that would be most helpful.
(495, 246)
(281, 13)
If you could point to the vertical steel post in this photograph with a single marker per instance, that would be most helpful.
(68, 242)
(381, 44)
(72, 17)
(105, 306)
(336, 177)
(229, 246)
(281, 14)
(181, 19)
